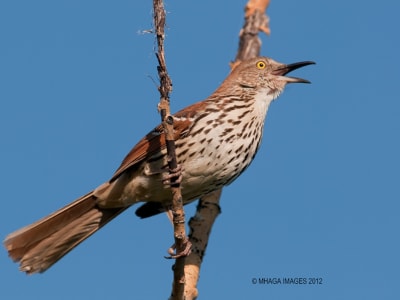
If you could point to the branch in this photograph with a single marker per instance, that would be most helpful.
(255, 21)
(182, 245)
(208, 208)
(200, 226)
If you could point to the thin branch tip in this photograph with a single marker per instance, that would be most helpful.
(182, 245)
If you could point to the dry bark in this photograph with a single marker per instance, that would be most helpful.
(182, 244)
(209, 208)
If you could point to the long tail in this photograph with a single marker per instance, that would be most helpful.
(40, 245)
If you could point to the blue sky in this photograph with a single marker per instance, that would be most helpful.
(320, 200)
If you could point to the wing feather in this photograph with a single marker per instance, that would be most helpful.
(154, 142)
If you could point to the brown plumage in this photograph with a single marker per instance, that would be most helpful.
(216, 139)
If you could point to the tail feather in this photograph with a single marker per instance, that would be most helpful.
(39, 245)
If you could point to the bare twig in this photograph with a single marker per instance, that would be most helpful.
(182, 245)
(255, 21)
(208, 208)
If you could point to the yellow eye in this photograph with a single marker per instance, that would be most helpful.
(261, 65)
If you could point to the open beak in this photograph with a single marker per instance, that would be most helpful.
(284, 69)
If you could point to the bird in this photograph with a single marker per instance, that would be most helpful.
(216, 140)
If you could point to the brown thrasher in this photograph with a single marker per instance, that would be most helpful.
(216, 139)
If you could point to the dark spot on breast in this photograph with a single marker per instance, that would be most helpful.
(230, 138)
(239, 149)
(251, 124)
(179, 144)
(226, 131)
(244, 114)
(234, 107)
(211, 109)
(183, 152)
(194, 133)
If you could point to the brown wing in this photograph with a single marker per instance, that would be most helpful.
(154, 141)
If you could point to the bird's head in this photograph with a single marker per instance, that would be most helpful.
(264, 72)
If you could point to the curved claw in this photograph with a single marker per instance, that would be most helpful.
(175, 174)
(185, 252)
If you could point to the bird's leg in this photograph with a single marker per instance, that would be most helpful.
(174, 176)
(174, 253)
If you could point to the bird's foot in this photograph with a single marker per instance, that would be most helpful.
(174, 176)
(183, 252)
